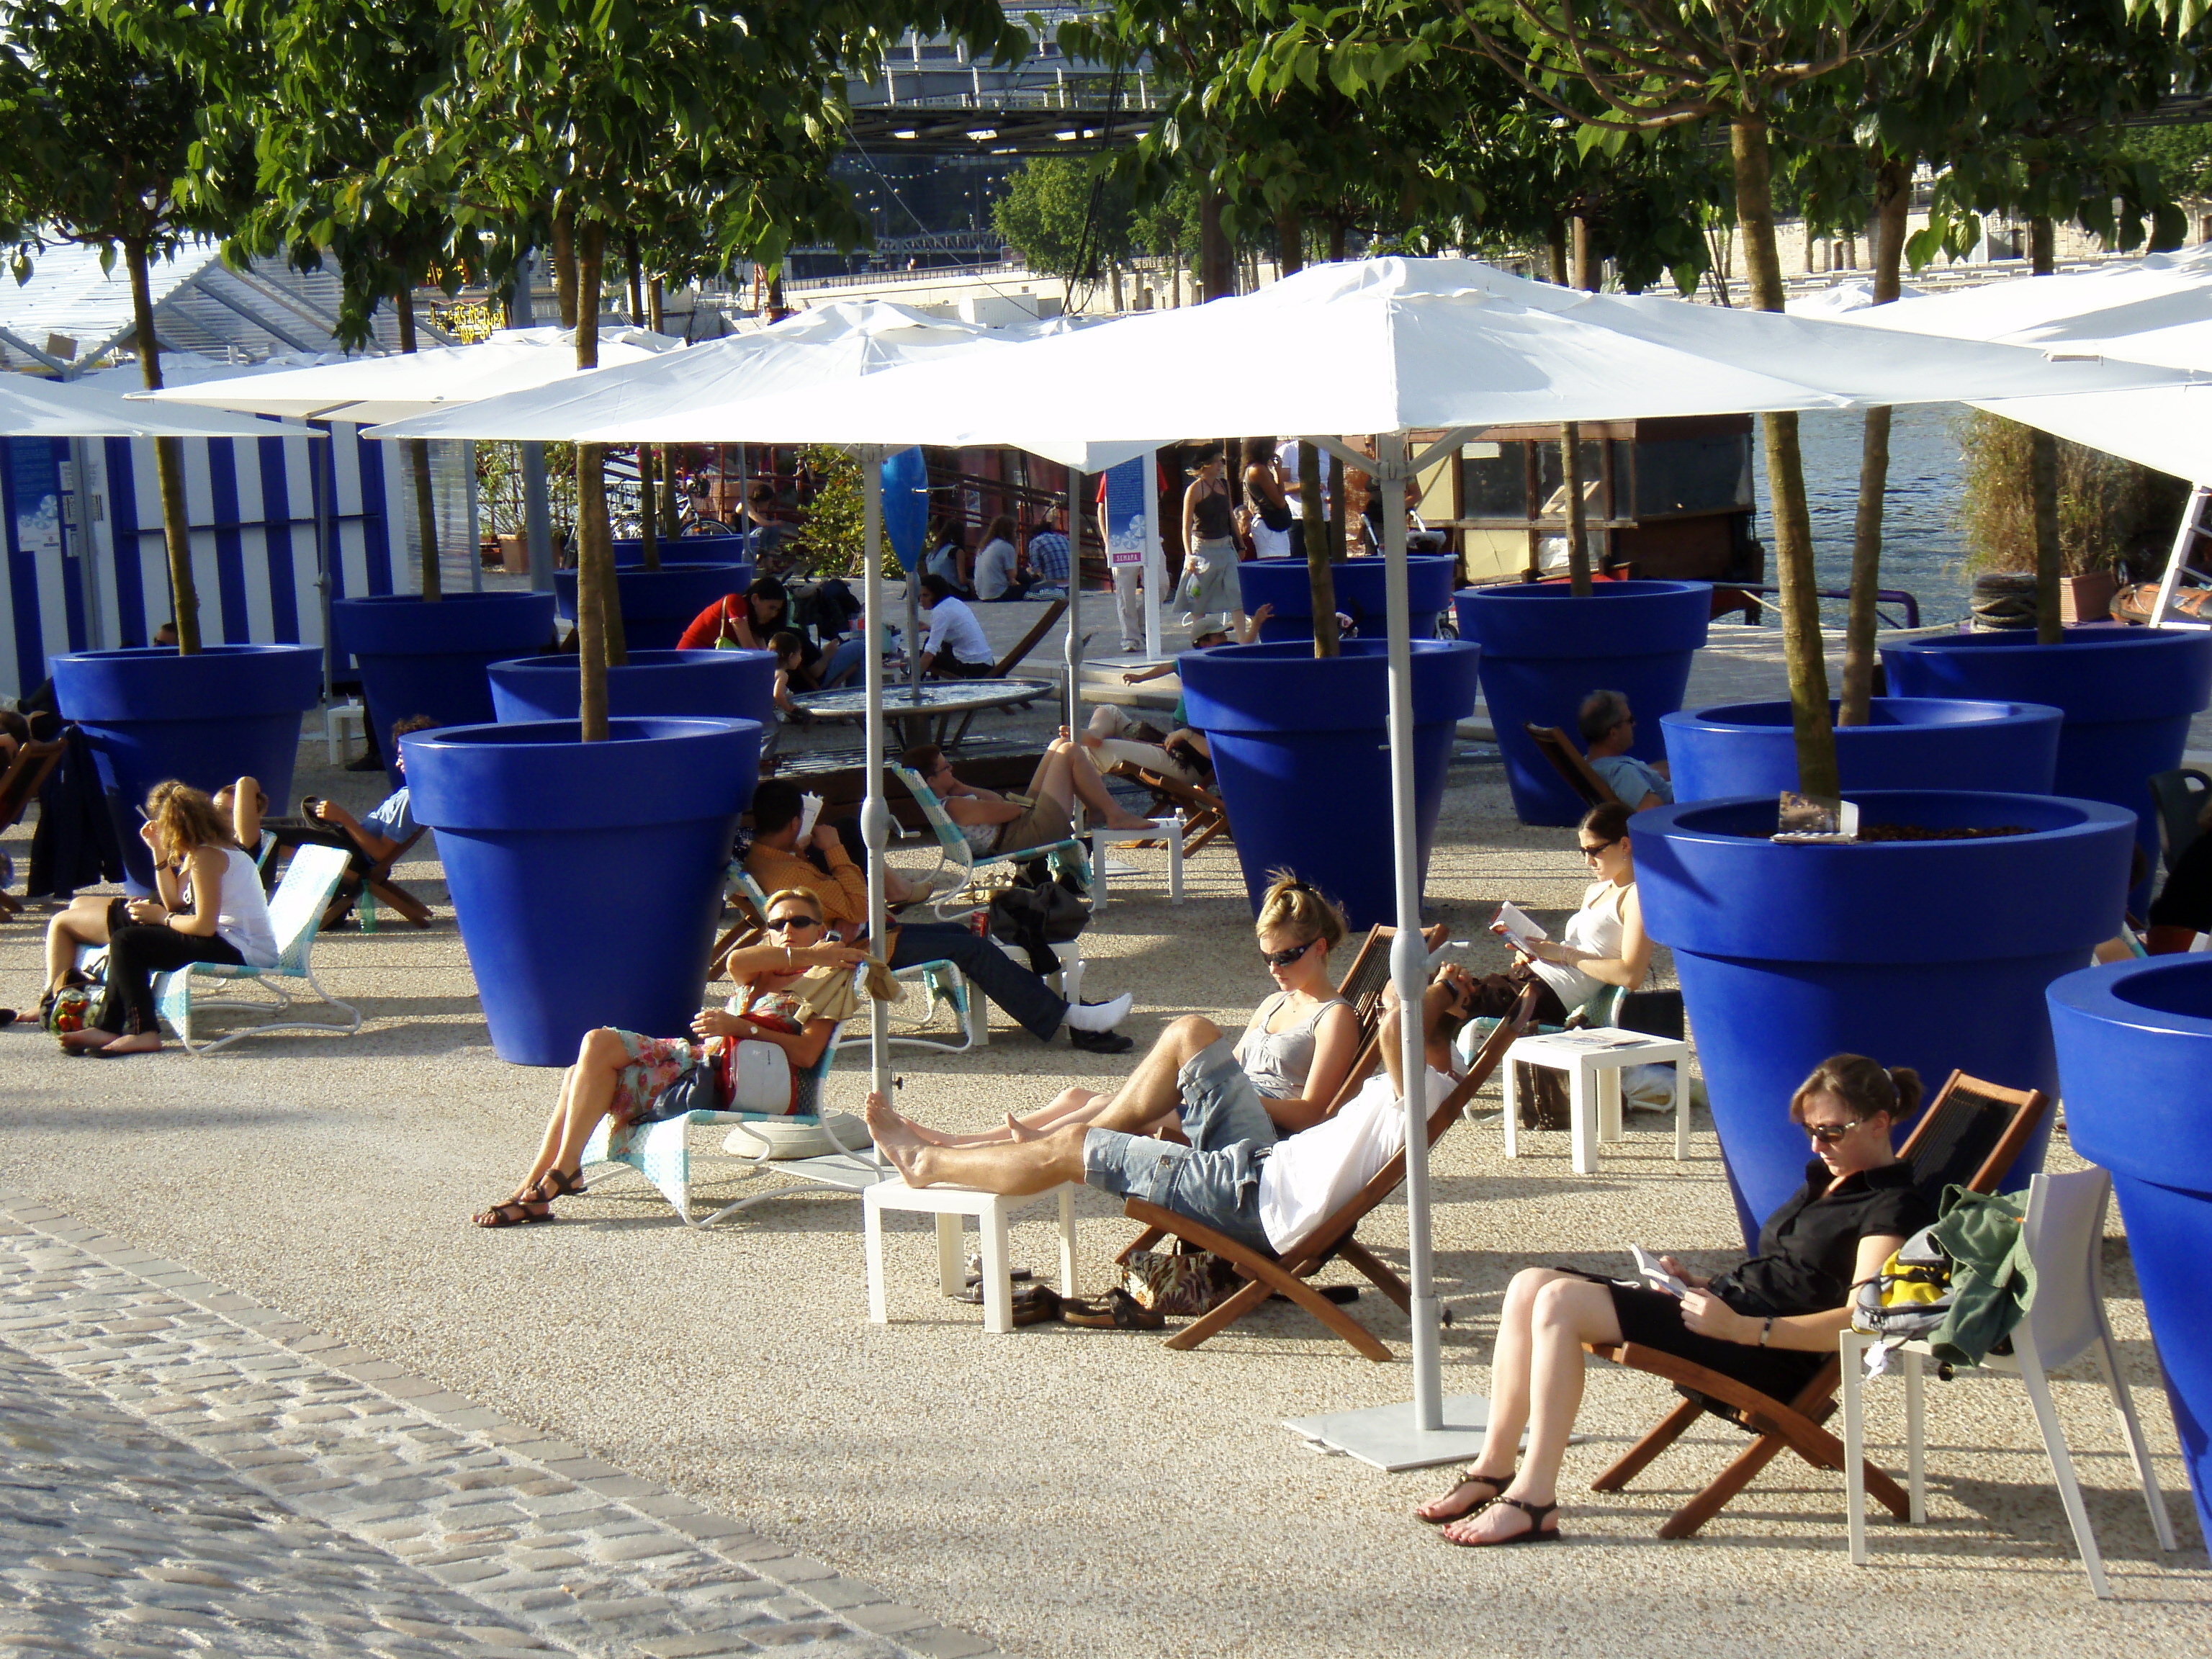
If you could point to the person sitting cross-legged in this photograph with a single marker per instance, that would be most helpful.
(1608, 728)
(775, 859)
(1237, 1175)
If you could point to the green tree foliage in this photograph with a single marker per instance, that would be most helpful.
(101, 139)
(1068, 215)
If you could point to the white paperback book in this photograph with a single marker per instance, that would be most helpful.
(1649, 1268)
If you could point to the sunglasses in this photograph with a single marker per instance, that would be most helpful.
(1285, 958)
(1827, 1134)
(784, 924)
(1593, 852)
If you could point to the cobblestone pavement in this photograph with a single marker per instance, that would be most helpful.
(184, 1469)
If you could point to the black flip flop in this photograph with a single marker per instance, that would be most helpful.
(1117, 1311)
(1537, 1514)
(1472, 1510)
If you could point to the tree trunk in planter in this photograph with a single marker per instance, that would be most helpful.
(1217, 259)
(1319, 568)
(2043, 475)
(662, 505)
(1893, 198)
(1785, 477)
(564, 266)
(599, 603)
(168, 464)
(418, 464)
(1290, 241)
(1555, 243)
(1570, 480)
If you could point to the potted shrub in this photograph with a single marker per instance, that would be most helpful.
(1545, 647)
(735, 684)
(586, 876)
(1928, 953)
(1906, 743)
(153, 713)
(2134, 1050)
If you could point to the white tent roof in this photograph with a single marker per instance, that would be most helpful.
(372, 389)
(2157, 309)
(832, 344)
(1385, 345)
(71, 409)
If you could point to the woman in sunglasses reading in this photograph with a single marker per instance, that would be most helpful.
(1770, 1322)
(1603, 943)
(749, 1055)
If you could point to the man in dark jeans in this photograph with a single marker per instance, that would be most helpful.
(824, 868)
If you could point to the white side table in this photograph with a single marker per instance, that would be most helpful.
(340, 716)
(948, 1204)
(1171, 830)
(1592, 1062)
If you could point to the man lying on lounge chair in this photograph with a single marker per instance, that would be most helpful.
(1235, 1175)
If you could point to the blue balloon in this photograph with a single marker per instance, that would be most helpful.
(906, 504)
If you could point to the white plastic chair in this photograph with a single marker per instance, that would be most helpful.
(956, 854)
(2065, 1230)
(295, 913)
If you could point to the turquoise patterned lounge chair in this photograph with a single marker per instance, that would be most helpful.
(295, 911)
(954, 854)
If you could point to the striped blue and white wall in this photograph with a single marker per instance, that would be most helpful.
(252, 506)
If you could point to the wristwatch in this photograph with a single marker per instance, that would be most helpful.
(1766, 1330)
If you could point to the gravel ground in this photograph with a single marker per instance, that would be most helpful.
(1057, 1489)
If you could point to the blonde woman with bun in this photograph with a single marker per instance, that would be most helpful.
(1771, 1321)
(210, 908)
(1300, 1044)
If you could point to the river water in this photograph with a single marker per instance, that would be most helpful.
(1923, 551)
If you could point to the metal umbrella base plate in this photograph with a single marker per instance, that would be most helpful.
(1391, 1438)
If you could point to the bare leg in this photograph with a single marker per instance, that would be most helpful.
(1542, 1381)
(85, 922)
(1069, 1106)
(1063, 781)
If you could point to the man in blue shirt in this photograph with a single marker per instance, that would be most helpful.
(1608, 729)
(1049, 556)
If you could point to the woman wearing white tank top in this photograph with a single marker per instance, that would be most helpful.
(1604, 942)
(211, 908)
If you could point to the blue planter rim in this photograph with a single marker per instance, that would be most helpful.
(2101, 993)
(1355, 698)
(557, 661)
(1980, 712)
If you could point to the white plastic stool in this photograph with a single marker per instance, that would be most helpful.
(1169, 830)
(341, 714)
(948, 1204)
(1593, 1089)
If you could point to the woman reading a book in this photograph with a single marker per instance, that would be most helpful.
(1770, 1322)
(1603, 943)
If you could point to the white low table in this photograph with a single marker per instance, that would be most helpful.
(948, 1204)
(1592, 1060)
(1170, 830)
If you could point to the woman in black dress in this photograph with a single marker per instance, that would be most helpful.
(1770, 1322)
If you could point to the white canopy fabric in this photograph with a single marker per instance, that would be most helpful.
(70, 409)
(2157, 309)
(367, 389)
(1386, 345)
(828, 346)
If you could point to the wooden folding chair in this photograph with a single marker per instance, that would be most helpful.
(1570, 764)
(369, 888)
(27, 774)
(1267, 1274)
(1969, 1136)
(1205, 819)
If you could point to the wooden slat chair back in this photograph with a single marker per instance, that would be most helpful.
(32, 764)
(1267, 1274)
(1570, 764)
(1205, 820)
(1970, 1136)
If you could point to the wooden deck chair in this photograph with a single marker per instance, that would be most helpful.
(1268, 1274)
(958, 859)
(661, 1152)
(1571, 764)
(1970, 1137)
(27, 774)
(1205, 819)
(295, 912)
(373, 886)
(1028, 642)
(942, 982)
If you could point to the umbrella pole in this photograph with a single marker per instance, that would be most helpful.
(1408, 955)
(875, 813)
(1074, 605)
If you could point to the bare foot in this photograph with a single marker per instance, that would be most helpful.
(1502, 1522)
(894, 1136)
(1017, 1130)
(91, 1036)
(1126, 821)
(144, 1043)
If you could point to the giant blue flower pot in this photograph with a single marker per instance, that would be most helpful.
(658, 606)
(2128, 694)
(1910, 743)
(587, 877)
(1285, 584)
(717, 684)
(2135, 1058)
(1544, 650)
(431, 659)
(1301, 749)
(692, 550)
(150, 713)
(1931, 954)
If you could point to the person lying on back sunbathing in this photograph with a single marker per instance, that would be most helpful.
(1237, 1175)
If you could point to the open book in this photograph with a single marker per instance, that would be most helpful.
(1657, 1277)
(1512, 925)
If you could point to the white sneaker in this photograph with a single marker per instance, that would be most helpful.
(1098, 1016)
